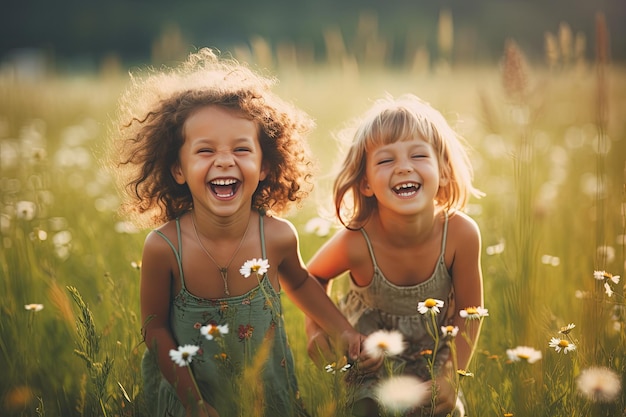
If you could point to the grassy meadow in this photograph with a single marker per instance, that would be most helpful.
(549, 150)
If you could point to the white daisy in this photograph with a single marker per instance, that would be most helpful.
(430, 305)
(474, 313)
(34, 307)
(599, 384)
(561, 345)
(529, 354)
(402, 393)
(449, 331)
(567, 329)
(211, 331)
(258, 266)
(384, 342)
(183, 355)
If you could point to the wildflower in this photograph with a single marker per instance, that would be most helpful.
(526, 353)
(135, 264)
(211, 331)
(34, 307)
(550, 260)
(561, 344)
(402, 393)
(474, 313)
(319, 226)
(567, 329)
(599, 384)
(463, 372)
(183, 355)
(25, 210)
(258, 266)
(331, 368)
(607, 253)
(384, 342)
(429, 305)
(495, 249)
(449, 331)
(608, 289)
(427, 353)
(602, 275)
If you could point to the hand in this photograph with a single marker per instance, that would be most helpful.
(353, 340)
(370, 364)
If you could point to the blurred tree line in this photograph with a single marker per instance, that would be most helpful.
(139, 30)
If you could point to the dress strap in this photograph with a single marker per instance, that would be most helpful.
(369, 247)
(178, 253)
(262, 235)
(445, 234)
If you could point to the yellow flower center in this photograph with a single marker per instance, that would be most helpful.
(523, 356)
(383, 346)
(449, 329)
(471, 310)
(214, 331)
(255, 268)
(563, 343)
(185, 355)
(430, 303)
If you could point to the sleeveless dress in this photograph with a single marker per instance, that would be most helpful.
(382, 305)
(254, 321)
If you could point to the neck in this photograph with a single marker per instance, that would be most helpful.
(401, 230)
(219, 227)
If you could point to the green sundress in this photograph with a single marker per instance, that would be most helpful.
(254, 320)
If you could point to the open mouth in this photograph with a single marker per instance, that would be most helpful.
(407, 189)
(224, 187)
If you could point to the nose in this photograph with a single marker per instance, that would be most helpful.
(403, 167)
(224, 159)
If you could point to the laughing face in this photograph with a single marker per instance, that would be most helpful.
(221, 160)
(403, 176)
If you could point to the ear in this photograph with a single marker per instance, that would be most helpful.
(264, 171)
(177, 173)
(365, 188)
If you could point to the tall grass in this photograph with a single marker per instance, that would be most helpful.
(549, 150)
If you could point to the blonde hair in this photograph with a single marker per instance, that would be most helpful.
(390, 120)
(149, 134)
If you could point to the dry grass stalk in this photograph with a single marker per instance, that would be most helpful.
(514, 73)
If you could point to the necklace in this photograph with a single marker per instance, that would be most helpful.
(223, 269)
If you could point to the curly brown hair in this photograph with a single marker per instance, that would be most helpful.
(149, 135)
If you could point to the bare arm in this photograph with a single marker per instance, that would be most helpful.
(155, 294)
(467, 281)
(468, 288)
(309, 295)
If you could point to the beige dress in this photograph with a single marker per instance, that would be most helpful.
(384, 305)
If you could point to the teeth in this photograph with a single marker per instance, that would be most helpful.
(229, 181)
(406, 185)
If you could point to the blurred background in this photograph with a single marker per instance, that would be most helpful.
(537, 87)
(71, 35)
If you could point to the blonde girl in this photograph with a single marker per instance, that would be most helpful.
(399, 193)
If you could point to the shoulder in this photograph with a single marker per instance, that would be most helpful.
(462, 224)
(463, 233)
(349, 243)
(157, 239)
(279, 231)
